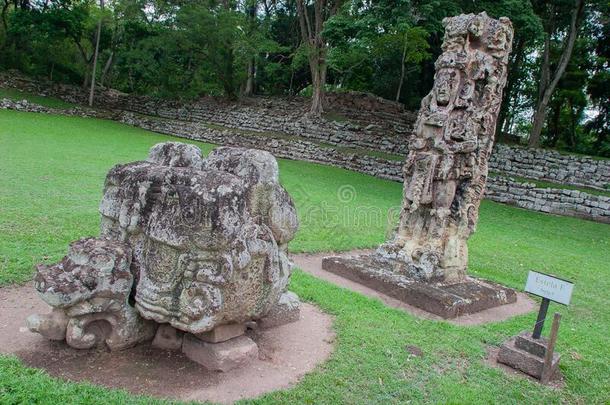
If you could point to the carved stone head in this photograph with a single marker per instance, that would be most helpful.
(208, 235)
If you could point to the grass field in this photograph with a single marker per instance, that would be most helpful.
(51, 176)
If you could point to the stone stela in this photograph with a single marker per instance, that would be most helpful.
(445, 173)
(530, 352)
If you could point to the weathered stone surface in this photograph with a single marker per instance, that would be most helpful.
(168, 338)
(425, 263)
(89, 290)
(446, 169)
(208, 235)
(53, 325)
(198, 244)
(222, 333)
(525, 341)
(524, 361)
(287, 310)
(175, 154)
(222, 356)
(445, 300)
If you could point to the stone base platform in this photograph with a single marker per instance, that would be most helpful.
(526, 354)
(445, 300)
(222, 356)
(227, 347)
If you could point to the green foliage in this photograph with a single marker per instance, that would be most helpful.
(183, 50)
(368, 45)
(51, 185)
(598, 88)
(49, 41)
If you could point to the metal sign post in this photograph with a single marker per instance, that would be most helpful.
(529, 352)
(550, 288)
(544, 307)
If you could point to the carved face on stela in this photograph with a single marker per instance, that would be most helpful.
(445, 86)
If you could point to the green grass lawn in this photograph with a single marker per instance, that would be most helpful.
(51, 176)
(50, 102)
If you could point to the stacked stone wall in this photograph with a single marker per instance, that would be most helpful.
(370, 123)
(235, 128)
(550, 165)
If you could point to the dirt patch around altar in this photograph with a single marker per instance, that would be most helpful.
(312, 264)
(287, 353)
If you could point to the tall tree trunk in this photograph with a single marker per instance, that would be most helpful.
(311, 34)
(228, 79)
(402, 68)
(250, 10)
(572, 125)
(96, 53)
(228, 61)
(318, 81)
(86, 78)
(554, 125)
(548, 84)
(250, 81)
(106, 68)
(507, 96)
(4, 11)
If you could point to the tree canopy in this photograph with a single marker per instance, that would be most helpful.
(557, 95)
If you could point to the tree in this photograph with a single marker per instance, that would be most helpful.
(567, 106)
(96, 53)
(598, 88)
(375, 47)
(312, 25)
(548, 81)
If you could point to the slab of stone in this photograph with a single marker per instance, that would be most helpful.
(525, 341)
(168, 338)
(446, 300)
(521, 360)
(222, 333)
(287, 310)
(223, 356)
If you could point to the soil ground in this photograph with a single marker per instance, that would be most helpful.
(286, 353)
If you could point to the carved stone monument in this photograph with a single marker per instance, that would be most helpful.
(444, 177)
(196, 245)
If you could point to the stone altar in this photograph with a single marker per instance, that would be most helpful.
(196, 245)
(445, 172)
(527, 354)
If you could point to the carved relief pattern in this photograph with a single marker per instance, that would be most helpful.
(193, 242)
(446, 169)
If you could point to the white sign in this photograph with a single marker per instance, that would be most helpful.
(550, 287)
